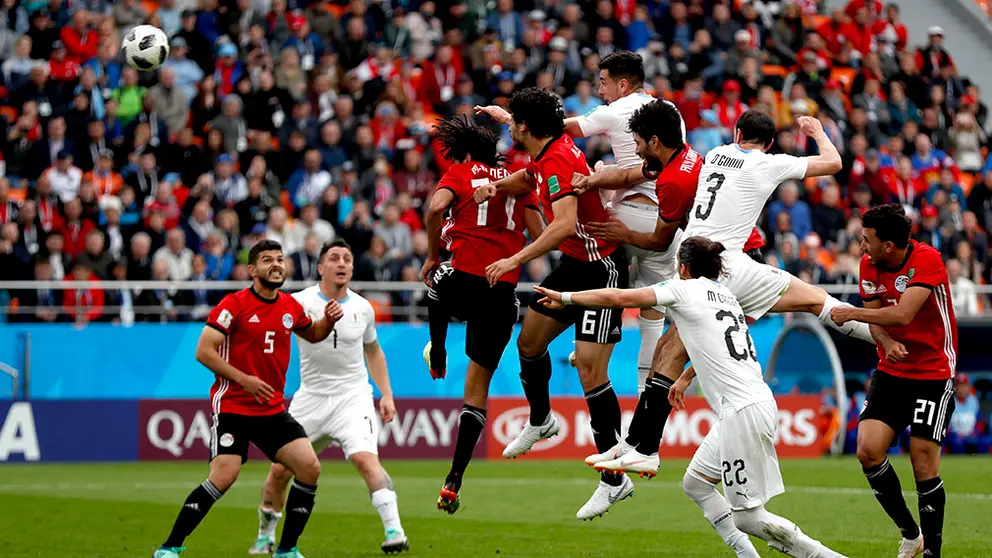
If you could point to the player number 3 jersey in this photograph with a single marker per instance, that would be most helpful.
(931, 339)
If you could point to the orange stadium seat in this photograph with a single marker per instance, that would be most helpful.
(774, 70)
(845, 76)
(815, 21)
(967, 182)
(19, 194)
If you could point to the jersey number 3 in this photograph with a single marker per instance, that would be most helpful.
(713, 189)
(483, 216)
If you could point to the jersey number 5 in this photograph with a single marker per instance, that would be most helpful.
(483, 216)
(713, 189)
(735, 325)
(270, 342)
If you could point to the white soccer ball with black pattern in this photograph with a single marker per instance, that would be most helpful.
(145, 47)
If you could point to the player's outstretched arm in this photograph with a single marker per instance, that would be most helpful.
(440, 201)
(208, 354)
(615, 231)
(572, 127)
(375, 359)
(894, 350)
(320, 329)
(828, 162)
(608, 178)
(600, 298)
(899, 315)
(517, 184)
(562, 227)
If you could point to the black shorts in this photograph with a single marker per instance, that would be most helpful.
(595, 325)
(925, 406)
(231, 433)
(489, 313)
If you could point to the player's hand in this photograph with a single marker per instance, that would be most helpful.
(258, 389)
(581, 183)
(387, 408)
(498, 269)
(676, 394)
(550, 299)
(333, 312)
(484, 193)
(809, 125)
(426, 272)
(612, 231)
(895, 351)
(497, 113)
(842, 314)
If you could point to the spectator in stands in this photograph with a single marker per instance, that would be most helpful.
(967, 432)
(218, 260)
(170, 100)
(709, 134)
(83, 305)
(873, 104)
(311, 223)
(967, 138)
(14, 256)
(395, 233)
(788, 202)
(901, 108)
(41, 304)
(280, 229)
(964, 295)
(198, 225)
(117, 236)
(139, 262)
(828, 218)
(306, 186)
(95, 256)
(17, 68)
(175, 255)
(162, 305)
(229, 187)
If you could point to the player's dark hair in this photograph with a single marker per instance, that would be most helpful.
(540, 110)
(757, 127)
(702, 256)
(889, 222)
(460, 136)
(262, 246)
(336, 243)
(624, 64)
(658, 119)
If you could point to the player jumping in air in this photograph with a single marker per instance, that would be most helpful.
(734, 184)
(538, 124)
(477, 234)
(334, 402)
(908, 304)
(740, 449)
(246, 343)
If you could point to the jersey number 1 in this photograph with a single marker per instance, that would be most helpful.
(483, 215)
(713, 189)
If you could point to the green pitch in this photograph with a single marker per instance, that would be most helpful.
(524, 509)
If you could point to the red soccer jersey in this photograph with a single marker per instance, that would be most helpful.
(553, 168)
(258, 343)
(676, 184)
(931, 339)
(480, 234)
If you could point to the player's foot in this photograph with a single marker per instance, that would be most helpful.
(264, 545)
(910, 547)
(438, 372)
(292, 553)
(604, 498)
(396, 541)
(611, 454)
(448, 500)
(531, 435)
(168, 552)
(632, 462)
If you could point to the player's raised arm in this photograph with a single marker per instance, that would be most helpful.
(321, 328)
(609, 178)
(562, 227)
(600, 298)
(900, 314)
(828, 162)
(208, 354)
(517, 184)
(440, 201)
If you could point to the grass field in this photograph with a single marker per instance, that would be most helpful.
(509, 509)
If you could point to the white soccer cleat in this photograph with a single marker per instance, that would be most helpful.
(531, 435)
(396, 541)
(264, 545)
(611, 454)
(632, 461)
(604, 498)
(910, 547)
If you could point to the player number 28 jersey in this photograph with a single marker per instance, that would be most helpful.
(717, 339)
(258, 342)
(734, 185)
(931, 339)
(480, 234)
(336, 364)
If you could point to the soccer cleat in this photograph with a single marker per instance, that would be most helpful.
(292, 553)
(632, 462)
(264, 545)
(435, 374)
(396, 541)
(168, 552)
(611, 454)
(910, 547)
(604, 498)
(571, 359)
(531, 435)
(448, 500)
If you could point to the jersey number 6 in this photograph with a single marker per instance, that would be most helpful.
(713, 189)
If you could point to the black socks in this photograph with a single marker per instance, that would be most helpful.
(885, 484)
(604, 416)
(195, 508)
(535, 373)
(931, 501)
(470, 425)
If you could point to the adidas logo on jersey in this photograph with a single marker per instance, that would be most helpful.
(254, 319)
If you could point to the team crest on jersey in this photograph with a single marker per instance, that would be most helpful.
(901, 283)
(287, 321)
(553, 187)
(227, 440)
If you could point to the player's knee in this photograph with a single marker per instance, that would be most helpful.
(279, 474)
(696, 488)
(750, 521)
(309, 471)
(925, 461)
(530, 348)
(869, 456)
(223, 477)
(367, 464)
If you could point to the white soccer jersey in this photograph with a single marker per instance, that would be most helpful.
(717, 339)
(734, 185)
(613, 120)
(336, 364)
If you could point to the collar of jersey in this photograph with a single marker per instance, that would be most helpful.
(741, 149)
(320, 293)
(546, 147)
(262, 298)
(909, 252)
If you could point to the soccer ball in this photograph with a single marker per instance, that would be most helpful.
(145, 47)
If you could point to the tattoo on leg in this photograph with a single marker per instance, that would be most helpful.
(267, 503)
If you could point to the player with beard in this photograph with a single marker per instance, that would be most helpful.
(247, 343)
(537, 123)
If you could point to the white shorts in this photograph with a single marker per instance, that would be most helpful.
(740, 451)
(757, 286)
(646, 267)
(346, 419)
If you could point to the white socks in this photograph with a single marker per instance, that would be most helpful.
(268, 520)
(651, 331)
(384, 501)
(717, 511)
(781, 534)
(854, 329)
